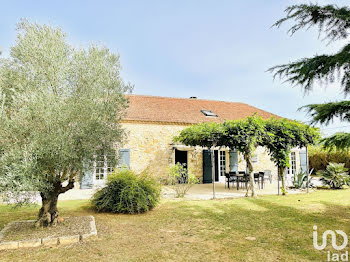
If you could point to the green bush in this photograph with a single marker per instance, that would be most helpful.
(320, 158)
(335, 176)
(181, 180)
(128, 193)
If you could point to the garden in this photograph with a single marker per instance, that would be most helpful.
(60, 105)
(269, 228)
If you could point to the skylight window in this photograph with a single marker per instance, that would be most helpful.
(209, 113)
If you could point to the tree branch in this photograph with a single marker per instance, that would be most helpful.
(324, 113)
(307, 70)
(340, 141)
(334, 21)
(67, 187)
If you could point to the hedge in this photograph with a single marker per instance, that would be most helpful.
(320, 158)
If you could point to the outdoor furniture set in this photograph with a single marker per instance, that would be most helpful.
(241, 178)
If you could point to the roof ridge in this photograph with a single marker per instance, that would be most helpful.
(192, 99)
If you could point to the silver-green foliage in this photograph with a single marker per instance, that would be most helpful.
(300, 179)
(58, 105)
(127, 192)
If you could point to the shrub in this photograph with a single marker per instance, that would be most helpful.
(127, 192)
(181, 180)
(335, 176)
(320, 158)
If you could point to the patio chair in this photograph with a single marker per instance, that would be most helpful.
(257, 179)
(261, 175)
(227, 180)
(268, 175)
(244, 178)
(230, 177)
(241, 178)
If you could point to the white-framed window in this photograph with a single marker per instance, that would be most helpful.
(222, 162)
(292, 164)
(104, 165)
(100, 167)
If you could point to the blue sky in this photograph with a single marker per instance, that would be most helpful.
(210, 49)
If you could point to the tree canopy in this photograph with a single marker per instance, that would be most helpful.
(203, 135)
(334, 23)
(59, 106)
(281, 135)
(244, 135)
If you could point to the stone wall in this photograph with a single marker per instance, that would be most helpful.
(261, 162)
(151, 148)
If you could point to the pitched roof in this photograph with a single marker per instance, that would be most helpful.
(186, 110)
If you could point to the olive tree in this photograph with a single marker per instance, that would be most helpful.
(58, 106)
(280, 136)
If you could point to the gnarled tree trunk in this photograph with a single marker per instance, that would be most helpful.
(48, 213)
(281, 175)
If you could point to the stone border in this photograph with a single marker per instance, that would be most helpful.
(46, 241)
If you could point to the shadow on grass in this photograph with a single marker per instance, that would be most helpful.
(282, 226)
(276, 226)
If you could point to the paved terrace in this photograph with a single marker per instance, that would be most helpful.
(205, 191)
(197, 192)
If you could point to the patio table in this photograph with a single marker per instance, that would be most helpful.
(243, 177)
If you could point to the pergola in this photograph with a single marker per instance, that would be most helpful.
(278, 136)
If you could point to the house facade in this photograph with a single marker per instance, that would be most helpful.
(151, 124)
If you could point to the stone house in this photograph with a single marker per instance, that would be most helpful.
(151, 122)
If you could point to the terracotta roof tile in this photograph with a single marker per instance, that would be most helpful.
(187, 110)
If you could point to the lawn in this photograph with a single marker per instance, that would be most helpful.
(201, 230)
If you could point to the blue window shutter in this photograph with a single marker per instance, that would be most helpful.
(233, 161)
(303, 160)
(124, 157)
(87, 178)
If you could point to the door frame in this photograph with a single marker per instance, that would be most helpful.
(184, 151)
(220, 179)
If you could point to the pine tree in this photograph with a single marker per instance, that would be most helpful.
(334, 23)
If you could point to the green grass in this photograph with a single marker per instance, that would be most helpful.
(201, 230)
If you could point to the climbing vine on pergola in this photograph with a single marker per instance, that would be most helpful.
(277, 135)
(280, 136)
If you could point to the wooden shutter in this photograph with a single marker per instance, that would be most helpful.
(87, 180)
(124, 158)
(207, 178)
(233, 161)
(303, 160)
